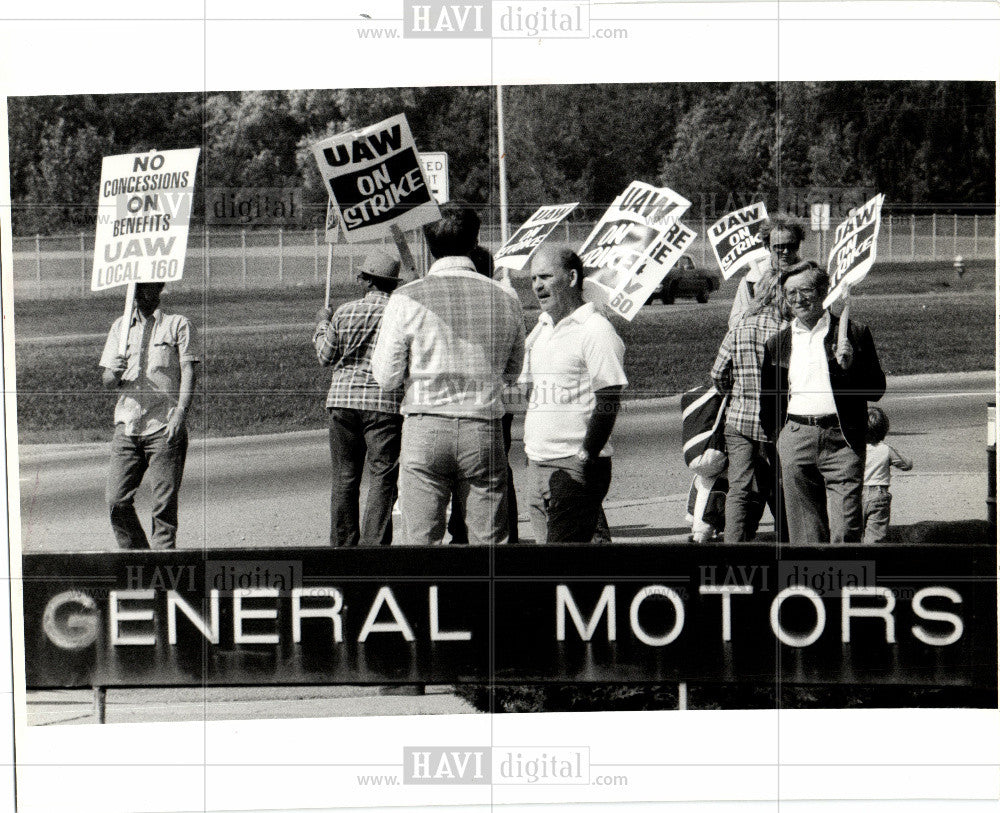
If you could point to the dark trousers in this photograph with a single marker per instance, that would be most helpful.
(132, 456)
(566, 499)
(363, 440)
(456, 522)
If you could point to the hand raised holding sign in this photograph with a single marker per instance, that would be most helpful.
(845, 353)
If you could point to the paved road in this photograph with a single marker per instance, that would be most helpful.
(274, 490)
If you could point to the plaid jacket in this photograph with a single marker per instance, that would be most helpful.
(346, 343)
(451, 340)
(737, 370)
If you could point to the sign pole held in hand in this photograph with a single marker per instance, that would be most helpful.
(329, 273)
(404, 250)
(844, 353)
(126, 318)
(331, 233)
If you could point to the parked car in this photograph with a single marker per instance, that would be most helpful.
(686, 279)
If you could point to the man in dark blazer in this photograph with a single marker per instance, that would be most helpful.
(814, 400)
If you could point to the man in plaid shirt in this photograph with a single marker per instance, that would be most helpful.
(365, 424)
(753, 469)
(451, 340)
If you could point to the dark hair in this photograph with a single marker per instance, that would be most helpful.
(878, 425)
(383, 284)
(783, 223)
(483, 261)
(822, 278)
(569, 260)
(455, 234)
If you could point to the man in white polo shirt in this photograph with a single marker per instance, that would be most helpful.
(573, 365)
(816, 396)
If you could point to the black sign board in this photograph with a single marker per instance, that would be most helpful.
(892, 614)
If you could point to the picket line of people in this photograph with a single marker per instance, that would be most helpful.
(426, 376)
(799, 427)
(451, 345)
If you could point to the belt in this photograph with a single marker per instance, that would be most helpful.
(450, 417)
(822, 421)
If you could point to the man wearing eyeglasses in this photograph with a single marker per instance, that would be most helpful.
(814, 399)
(782, 238)
(365, 423)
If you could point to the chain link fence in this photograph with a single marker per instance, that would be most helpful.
(231, 258)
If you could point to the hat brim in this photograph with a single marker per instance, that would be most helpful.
(382, 277)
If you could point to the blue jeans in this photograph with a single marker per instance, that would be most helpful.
(456, 523)
(441, 453)
(753, 482)
(876, 502)
(359, 440)
(132, 456)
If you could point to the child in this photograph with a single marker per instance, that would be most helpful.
(880, 457)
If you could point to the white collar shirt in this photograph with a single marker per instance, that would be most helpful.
(809, 389)
(156, 349)
(565, 364)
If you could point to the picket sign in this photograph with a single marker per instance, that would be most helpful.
(519, 248)
(735, 241)
(633, 247)
(144, 210)
(854, 248)
(374, 179)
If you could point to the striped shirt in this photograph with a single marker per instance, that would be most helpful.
(449, 340)
(737, 369)
(346, 343)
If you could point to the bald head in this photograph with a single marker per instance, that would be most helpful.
(557, 280)
(561, 258)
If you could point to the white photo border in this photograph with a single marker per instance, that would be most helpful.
(745, 761)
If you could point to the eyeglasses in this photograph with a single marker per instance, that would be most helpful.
(801, 294)
(777, 248)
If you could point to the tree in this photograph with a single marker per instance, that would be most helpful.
(61, 186)
(725, 146)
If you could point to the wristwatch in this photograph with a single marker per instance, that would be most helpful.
(583, 456)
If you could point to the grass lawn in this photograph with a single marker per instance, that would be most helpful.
(252, 383)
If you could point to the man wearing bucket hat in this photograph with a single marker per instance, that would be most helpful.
(365, 424)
